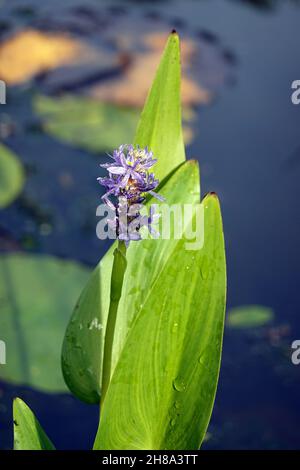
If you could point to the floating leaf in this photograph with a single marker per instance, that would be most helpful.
(160, 129)
(37, 295)
(163, 387)
(28, 433)
(249, 316)
(47, 51)
(84, 123)
(11, 176)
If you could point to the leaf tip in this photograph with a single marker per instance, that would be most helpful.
(192, 162)
(18, 403)
(212, 198)
(174, 36)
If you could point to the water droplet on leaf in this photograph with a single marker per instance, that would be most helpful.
(178, 384)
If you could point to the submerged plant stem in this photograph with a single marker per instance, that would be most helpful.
(117, 277)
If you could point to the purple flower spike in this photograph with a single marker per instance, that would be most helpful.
(128, 183)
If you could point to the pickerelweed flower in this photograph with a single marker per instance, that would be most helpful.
(127, 185)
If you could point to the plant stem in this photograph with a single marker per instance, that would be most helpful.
(117, 277)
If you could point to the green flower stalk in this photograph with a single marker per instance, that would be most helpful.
(129, 182)
(117, 277)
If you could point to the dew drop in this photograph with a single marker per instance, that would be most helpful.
(205, 362)
(178, 384)
(201, 360)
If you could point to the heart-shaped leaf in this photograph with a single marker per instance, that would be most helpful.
(28, 433)
(160, 130)
(37, 294)
(162, 390)
(11, 176)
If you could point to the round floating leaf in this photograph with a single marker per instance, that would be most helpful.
(249, 316)
(47, 51)
(85, 123)
(37, 295)
(11, 176)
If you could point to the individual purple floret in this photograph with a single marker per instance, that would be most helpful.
(127, 184)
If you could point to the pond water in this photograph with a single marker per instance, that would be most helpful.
(247, 141)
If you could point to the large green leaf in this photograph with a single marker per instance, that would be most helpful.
(11, 176)
(85, 123)
(160, 130)
(162, 390)
(37, 295)
(28, 433)
(160, 125)
(145, 260)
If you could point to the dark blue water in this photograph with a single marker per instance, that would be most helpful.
(248, 145)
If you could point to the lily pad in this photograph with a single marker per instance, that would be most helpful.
(47, 52)
(37, 295)
(11, 176)
(249, 316)
(84, 123)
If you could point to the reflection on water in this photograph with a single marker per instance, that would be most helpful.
(239, 63)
